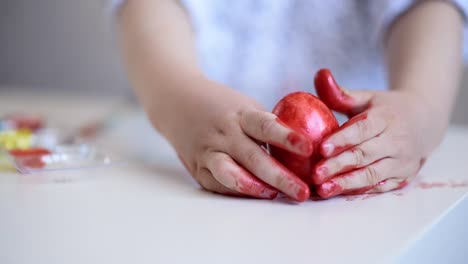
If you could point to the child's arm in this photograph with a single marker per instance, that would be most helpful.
(396, 131)
(216, 131)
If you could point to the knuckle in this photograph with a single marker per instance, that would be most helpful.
(266, 125)
(372, 175)
(360, 156)
(362, 129)
(223, 126)
(252, 157)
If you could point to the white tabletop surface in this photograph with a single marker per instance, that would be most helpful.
(149, 210)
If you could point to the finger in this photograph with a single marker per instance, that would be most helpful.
(383, 186)
(391, 184)
(236, 178)
(337, 98)
(209, 183)
(355, 131)
(356, 157)
(270, 171)
(388, 185)
(266, 127)
(358, 179)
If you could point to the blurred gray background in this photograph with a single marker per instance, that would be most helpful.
(69, 44)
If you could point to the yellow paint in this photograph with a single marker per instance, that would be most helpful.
(5, 163)
(16, 139)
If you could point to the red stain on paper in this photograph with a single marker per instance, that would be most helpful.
(459, 184)
(431, 185)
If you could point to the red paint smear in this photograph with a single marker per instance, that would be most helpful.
(421, 163)
(301, 142)
(257, 189)
(459, 184)
(431, 185)
(402, 184)
(298, 189)
(372, 195)
(351, 198)
(347, 168)
(331, 94)
(248, 184)
(359, 191)
(329, 189)
(355, 119)
(296, 140)
(339, 149)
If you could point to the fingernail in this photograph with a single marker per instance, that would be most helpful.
(320, 173)
(302, 194)
(329, 189)
(299, 141)
(268, 194)
(328, 148)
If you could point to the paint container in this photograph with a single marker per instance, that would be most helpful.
(61, 158)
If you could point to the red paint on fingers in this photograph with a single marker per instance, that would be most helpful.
(291, 184)
(256, 189)
(322, 172)
(354, 120)
(331, 93)
(248, 184)
(298, 143)
(359, 191)
(329, 149)
(301, 142)
(329, 189)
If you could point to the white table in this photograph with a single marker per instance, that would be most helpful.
(150, 211)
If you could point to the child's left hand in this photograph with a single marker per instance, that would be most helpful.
(381, 148)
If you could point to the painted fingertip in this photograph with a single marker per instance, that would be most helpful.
(327, 149)
(320, 173)
(302, 194)
(268, 194)
(302, 143)
(329, 189)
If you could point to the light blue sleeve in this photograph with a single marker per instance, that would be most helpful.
(384, 12)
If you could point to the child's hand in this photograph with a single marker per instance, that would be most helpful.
(379, 149)
(219, 136)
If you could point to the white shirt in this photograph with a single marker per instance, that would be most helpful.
(268, 48)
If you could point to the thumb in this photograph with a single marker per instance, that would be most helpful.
(338, 99)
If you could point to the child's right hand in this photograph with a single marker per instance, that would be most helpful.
(218, 134)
